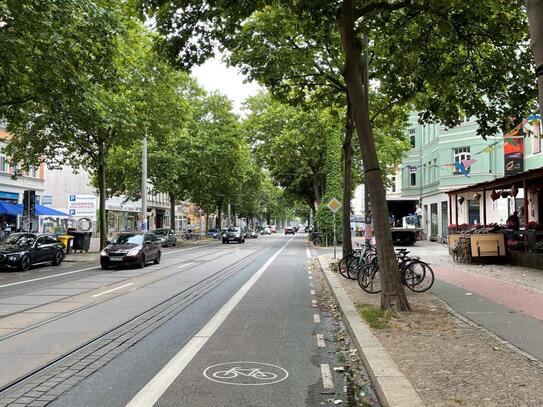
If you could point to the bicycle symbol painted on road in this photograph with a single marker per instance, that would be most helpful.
(245, 373)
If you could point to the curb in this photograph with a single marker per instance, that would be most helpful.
(391, 385)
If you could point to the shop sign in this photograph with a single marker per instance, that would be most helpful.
(82, 206)
(47, 200)
(513, 155)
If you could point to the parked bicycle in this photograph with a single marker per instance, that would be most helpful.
(352, 262)
(416, 274)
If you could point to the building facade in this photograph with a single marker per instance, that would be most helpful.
(428, 171)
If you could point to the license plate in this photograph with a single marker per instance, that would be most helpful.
(115, 259)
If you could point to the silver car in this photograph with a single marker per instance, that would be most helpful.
(166, 236)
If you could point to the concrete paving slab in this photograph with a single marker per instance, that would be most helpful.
(32, 299)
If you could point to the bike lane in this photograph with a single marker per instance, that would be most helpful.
(265, 353)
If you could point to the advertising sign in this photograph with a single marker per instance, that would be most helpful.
(47, 200)
(513, 155)
(82, 206)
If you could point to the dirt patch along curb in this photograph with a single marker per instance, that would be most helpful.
(392, 387)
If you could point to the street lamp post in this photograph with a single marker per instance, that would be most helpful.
(144, 183)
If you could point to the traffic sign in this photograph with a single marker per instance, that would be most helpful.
(334, 205)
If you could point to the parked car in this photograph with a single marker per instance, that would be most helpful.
(166, 236)
(23, 250)
(213, 233)
(233, 234)
(266, 231)
(251, 234)
(273, 229)
(132, 248)
(289, 230)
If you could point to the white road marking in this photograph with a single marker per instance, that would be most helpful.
(311, 285)
(47, 277)
(314, 303)
(327, 382)
(317, 318)
(311, 278)
(307, 253)
(312, 292)
(110, 291)
(309, 272)
(320, 341)
(153, 390)
(184, 265)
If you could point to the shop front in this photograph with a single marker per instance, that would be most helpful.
(507, 208)
(9, 221)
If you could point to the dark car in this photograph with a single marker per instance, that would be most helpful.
(166, 236)
(133, 248)
(251, 234)
(289, 230)
(233, 234)
(22, 250)
(213, 233)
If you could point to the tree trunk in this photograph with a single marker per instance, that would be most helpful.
(316, 189)
(347, 180)
(535, 22)
(219, 210)
(172, 212)
(102, 219)
(392, 294)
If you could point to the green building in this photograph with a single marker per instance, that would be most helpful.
(427, 171)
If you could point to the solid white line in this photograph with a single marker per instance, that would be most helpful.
(47, 277)
(312, 292)
(327, 382)
(184, 265)
(317, 318)
(110, 291)
(153, 390)
(320, 341)
(307, 253)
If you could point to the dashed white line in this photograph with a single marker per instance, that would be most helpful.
(110, 291)
(311, 285)
(47, 277)
(311, 278)
(317, 318)
(307, 253)
(185, 265)
(312, 292)
(326, 372)
(314, 302)
(320, 341)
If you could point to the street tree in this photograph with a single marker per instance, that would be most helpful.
(101, 114)
(451, 58)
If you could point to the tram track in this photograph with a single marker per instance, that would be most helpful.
(139, 325)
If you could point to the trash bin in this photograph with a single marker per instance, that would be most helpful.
(81, 240)
(67, 241)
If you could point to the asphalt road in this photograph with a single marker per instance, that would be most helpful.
(217, 325)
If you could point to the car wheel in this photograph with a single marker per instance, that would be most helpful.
(104, 266)
(141, 264)
(58, 259)
(157, 260)
(25, 263)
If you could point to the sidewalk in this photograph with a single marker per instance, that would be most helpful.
(450, 361)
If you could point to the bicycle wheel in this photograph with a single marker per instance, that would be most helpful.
(369, 278)
(418, 276)
(344, 265)
(354, 268)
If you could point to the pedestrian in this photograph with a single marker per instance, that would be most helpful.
(513, 221)
(418, 214)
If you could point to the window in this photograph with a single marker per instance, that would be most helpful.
(3, 163)
(411, 133)
(393, 186)
(413, 179)
(434, 168)
(536, 146)
(32, 172)
(460, 154)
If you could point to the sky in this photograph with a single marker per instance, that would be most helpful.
(215, 75)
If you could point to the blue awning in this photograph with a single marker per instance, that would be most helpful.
(42, 211)
(7, 208)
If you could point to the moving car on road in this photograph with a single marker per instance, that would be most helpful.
(22, 250)
(166, 236)
(233, 234)
(251, 234)
(266, 231)
(133, 248)
(289, 230)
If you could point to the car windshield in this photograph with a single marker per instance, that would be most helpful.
(233, 229)
(21, 239)
(128, 239)
(161, 232)
(212, 230)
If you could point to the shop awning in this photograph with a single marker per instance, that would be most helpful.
(7, 208)
(42, 211)
(529, 177)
